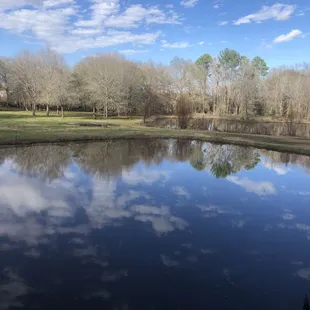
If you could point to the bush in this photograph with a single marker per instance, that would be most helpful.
(184, 111)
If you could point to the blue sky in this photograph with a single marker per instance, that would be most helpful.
(158, 30)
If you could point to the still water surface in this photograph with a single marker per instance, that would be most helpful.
(153, 224)
(220, 125)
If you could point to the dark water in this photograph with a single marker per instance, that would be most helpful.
(268, 128)
(158, 224)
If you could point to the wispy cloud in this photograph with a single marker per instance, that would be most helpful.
(278, 11)
(189, 3)
(166, 44)
(54, 3)
(68, 27)
(134, 52)
(223, 23)
(288, 37)
(217, 4)
(201, 43)
(259, 188)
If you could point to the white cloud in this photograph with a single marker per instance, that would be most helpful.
(189, 3)
(287, 37)
(217, 4)
(279, 169)
(166, 44)
(259, 188)
(54, 3)
(12, 288)
(278, 11)
(136, 14)
(288, 216)
(304, 273)
(160, 217)
(134, 52)
(144, 176)
(181, 191)
(223, 23)
(169, 262)
(201, 43)
(14, 4)
(67, 27)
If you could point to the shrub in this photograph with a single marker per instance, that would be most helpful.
(184, 111)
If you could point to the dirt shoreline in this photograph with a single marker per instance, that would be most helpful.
(275, 143)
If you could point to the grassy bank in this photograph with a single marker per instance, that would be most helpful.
(20, 128)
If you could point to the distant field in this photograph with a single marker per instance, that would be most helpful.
(18, 128)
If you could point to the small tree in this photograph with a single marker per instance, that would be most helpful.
(184, 111)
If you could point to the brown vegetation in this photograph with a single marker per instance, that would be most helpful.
(110, 85)
(183, 111)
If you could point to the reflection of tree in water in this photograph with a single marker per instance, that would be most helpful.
(181, 150)
(276, 158)
(197, 158)
(110, 158)
(223, 160)
(46, 161)
(5, 154)
(107, 158)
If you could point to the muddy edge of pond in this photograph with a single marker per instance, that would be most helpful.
(275, 143)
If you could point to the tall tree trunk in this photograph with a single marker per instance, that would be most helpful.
(47, 110)
(34, 110)
(62, 112)
(106, 110)
(57, 110)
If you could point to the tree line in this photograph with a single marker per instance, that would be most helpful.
(111, 85)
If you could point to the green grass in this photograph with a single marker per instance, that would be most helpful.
(21, 128)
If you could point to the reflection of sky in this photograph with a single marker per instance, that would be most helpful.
(152, 228)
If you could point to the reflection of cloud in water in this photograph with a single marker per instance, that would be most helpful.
(299, 226)
(297, 263)
(213, 211)
(33, 195)
(144, 176)
(207, 252)
(238, 223)
(288, 216)
(88, 251)
(113, 276)
(279, 169)
(160, 217)
(192, 259)
(106, 207)
(166, 260)
(181, 191)
(263, 188)
(304, 193)
(161, 225)
(34, 253)
(103, 294)
(144, 209)
(227, 274)
(304, 273)
(11, 289)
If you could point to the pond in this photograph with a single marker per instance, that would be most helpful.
(232, 126)
(153, 224)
